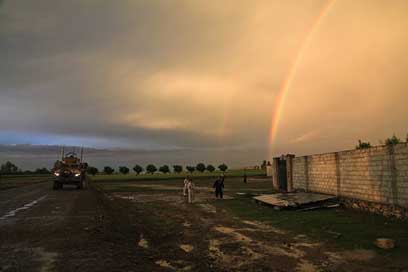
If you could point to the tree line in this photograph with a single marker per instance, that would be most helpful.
(165, 169)
(9, 168)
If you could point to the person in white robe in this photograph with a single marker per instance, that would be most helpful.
(190, 191)
(185, 186)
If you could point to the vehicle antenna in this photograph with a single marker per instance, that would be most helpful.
(62, 152)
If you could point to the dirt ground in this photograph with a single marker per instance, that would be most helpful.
(153, 229)
(202, 237)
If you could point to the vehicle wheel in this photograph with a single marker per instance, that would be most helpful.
(83, 183)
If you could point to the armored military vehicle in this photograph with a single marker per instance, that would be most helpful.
(69, 170)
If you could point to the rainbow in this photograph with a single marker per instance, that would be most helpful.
(289, 78)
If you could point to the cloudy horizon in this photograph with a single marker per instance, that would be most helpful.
(202, 76)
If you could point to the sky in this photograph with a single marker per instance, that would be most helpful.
(204, 75)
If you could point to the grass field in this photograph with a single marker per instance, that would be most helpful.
(170, 176)
(346, 229)
(233, 185)
(13, 181)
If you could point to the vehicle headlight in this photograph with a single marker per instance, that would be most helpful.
(57, 174)
(77, 175)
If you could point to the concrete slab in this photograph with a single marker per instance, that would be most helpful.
(293, 200)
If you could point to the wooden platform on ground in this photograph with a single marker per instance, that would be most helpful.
(294, 200)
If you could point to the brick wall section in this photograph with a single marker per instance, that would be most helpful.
(378, 174)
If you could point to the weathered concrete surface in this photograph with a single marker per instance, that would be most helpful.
(293, 200)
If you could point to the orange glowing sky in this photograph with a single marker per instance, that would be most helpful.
(282, 76)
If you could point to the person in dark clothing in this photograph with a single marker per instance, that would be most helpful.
(245, 177)
(219, 186)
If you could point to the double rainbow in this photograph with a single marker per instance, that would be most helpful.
(289, 78)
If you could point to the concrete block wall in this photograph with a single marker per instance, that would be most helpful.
(378, 174)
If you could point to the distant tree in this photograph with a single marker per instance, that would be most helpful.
(223, 167)
(42, 171)
(392, 141)
(200, 167)
(108, 170)
(151, 169)
(164, 169)
(92, 170)
(190, 169)
(363, 145)
(138, 169)
(178, 168)
(123, 170)
(210, 168)
(8, 168)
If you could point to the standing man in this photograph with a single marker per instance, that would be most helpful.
(219, 186)
(190, 190)
(245, 176)
(185, 185)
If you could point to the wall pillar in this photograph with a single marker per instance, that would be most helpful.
(289, 172)
(275, 173)
(306, 166)
(393, 171)
(338, 174)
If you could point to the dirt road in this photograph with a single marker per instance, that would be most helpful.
(152, 230)
(68, 230)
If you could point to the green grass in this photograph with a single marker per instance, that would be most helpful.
(30, 176)
(13, 181)
(358, 230)
(170, 176)
(232, 185)
(117, 188)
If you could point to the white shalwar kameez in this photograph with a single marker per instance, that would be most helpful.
(185, 187)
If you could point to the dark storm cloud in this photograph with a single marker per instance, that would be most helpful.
(203, 74)
(59, 60)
